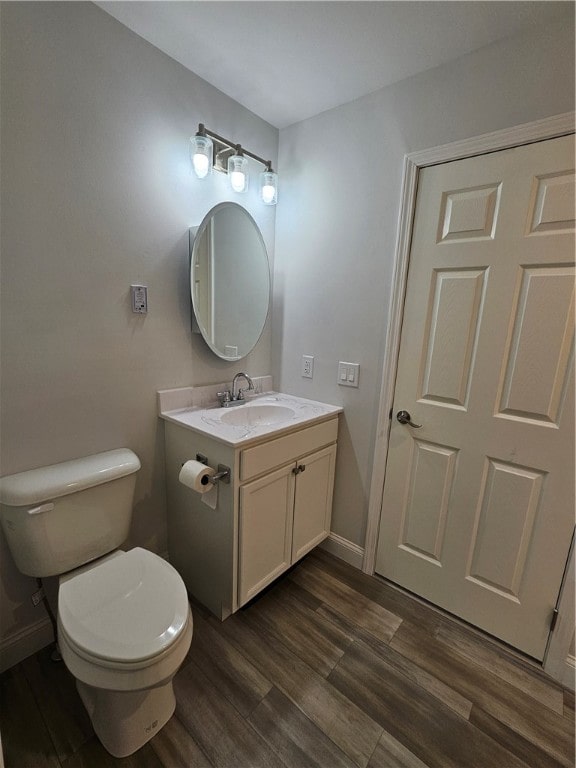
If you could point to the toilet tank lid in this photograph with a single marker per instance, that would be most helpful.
(46, 483)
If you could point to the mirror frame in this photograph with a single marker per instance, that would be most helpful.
(195, 238)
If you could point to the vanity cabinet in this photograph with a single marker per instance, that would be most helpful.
(282, 516)
(276, 508)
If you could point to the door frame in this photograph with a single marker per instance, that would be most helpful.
(559, 662)
(527, 133)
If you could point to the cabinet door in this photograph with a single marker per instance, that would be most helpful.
(313, 501)
(265, 531)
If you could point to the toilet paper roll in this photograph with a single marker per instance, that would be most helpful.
(197, 476)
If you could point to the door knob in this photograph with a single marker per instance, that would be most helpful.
(405, 418)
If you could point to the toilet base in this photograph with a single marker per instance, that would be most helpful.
(125, 720)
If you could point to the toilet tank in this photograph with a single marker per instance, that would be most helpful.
(59, 517)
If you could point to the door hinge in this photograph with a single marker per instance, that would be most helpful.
(554, 619)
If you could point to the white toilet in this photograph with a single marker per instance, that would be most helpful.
(124, 621)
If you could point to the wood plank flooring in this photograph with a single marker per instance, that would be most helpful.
(329, 668)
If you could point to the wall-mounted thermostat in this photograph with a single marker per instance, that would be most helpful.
(139, 294)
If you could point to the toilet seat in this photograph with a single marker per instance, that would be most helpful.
(116, 676)
(126, 612)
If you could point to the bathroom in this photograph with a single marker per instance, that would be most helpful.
(97, 195)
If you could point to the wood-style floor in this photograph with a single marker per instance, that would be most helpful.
(328, 668)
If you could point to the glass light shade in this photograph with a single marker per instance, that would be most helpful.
(238, 173)
(201, 152)
(269, 187)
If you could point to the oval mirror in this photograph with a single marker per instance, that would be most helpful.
(229, 281)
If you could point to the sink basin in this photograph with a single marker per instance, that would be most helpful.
(257, 415)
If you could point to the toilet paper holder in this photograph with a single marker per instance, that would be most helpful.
(222, 475)
(222, 472)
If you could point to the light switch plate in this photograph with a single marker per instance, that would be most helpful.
(348, 374)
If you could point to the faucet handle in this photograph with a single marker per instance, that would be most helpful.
(223, 397)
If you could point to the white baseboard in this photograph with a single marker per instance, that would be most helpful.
(17, 647)
(345, 550)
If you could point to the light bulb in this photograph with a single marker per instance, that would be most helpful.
(269, 187)
(201, 152)
(237, 181)
(238, 173)
(201, 165)
(268, 192)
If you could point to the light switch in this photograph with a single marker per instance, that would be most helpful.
(348, 374)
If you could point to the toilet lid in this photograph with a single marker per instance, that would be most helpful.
(127, 609)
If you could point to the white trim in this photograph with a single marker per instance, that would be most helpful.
(17, 647)
(538, 130)
(527, 133)
(392, 347)
(344, 549)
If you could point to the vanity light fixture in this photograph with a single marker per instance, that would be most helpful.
(201, 153)
(269, 186)
(238, 170)
(210, 151)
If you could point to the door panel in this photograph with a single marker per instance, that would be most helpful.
(313, 501)
(451, 332)
(265, 531)
(478, 504)
(537, 361)
(469, 214)
(552, 204)
(499, 543)
(429, 487)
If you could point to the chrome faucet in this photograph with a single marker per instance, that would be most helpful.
(240, 395)
(235, 397)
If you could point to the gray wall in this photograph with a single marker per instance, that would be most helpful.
(341, 176)
(97, 194)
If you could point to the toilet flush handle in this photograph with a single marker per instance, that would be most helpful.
(42, 508)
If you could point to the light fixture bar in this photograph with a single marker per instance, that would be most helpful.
(203, 131)
(210, 151)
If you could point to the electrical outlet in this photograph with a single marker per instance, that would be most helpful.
(139, 295)
(307, 366)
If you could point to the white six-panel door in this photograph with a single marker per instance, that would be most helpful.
(478, 506)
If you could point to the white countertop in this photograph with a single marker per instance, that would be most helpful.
(207, 421)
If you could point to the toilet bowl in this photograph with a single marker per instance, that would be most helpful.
(124, 621)
(124, 629)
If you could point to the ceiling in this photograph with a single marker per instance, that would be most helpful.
(287, 61)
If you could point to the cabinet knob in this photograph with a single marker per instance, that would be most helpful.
(298, 469)
(301, 467)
